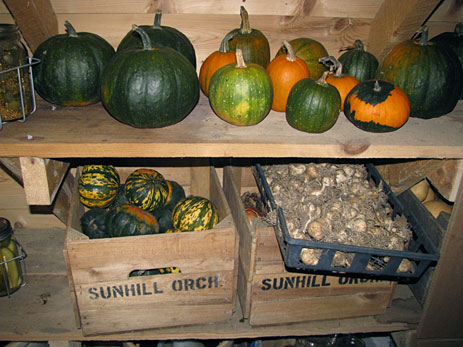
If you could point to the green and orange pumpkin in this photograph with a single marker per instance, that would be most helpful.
(130, 220)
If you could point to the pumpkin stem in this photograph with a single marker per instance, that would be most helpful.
(240, 63)
(358, 44)
(70, 29)
(145, 39)
(291, 56)
(224, 47)
(157, 18)
(333, 64)
(424, 36)
(322, 80)
(245, 27)
(377, 87)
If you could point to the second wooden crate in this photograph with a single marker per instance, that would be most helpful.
(269, 294)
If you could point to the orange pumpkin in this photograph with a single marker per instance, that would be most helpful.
(285, 71)
(342, 82)
(214, 62)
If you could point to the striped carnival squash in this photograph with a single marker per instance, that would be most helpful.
(194, 213)
(130, 220)
(98, 185)
(147, 189)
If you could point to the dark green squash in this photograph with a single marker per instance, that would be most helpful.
(252, 42)
(130, 220)
(163, 215)
(120, 198)
(175, 194)
(147, 189)
(149, 87)
(93, 223)
(71, 66)
(454, 41)
(160, 36)
(241, 94)
(310, 51)
(98, 185)
(359, 63)
(377, 106)
(313, 105)
(194, 213)
(430, 75)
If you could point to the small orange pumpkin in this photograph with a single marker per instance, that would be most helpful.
(342, 82)
(285, 71)
(377, 106)
(215, 61)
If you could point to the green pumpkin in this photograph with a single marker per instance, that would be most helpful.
(359, 63)
(147, 189)
(310, 51)
(160, 36)
(130, 220)
(313, 105)
(175, 194)
(98, 185)
(163, 215)
(194, 213)
(454, 41)
(430, 75)
(93, 223)
(120, 198)
(149, 87)
(252, 42)
(241, 94)
(71, 66)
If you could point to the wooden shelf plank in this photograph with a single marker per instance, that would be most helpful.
(91, 132)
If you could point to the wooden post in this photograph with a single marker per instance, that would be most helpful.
(36, 20)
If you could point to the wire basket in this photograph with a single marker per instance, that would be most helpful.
(22, 264)
(29, 63)
(376, 262)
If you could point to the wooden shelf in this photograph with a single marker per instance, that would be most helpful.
(42, 310)
(91, 132)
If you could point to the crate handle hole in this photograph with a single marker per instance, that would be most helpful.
(156, 271)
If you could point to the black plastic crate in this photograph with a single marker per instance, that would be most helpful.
(421, 252)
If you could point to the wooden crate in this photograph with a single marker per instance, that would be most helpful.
(271, 295)
(105, 298)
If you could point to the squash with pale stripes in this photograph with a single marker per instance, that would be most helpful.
(98, 185)
(194, 213)
(130, 220)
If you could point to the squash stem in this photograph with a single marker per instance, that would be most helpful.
(424, 36)
(70, 29)
(358, 45)
(377, 87)
(224, 47)
(145, 39)
(322, 80)
(157, 19)
(291, 56)
(333, 64)
(245, 27)
(240, 63)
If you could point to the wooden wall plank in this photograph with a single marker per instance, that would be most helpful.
(36, 19)
(397, 21)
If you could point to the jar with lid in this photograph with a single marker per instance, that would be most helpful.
(16, 98)
(11, 258)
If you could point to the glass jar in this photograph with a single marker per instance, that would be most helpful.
(15, 83)
(11, 272)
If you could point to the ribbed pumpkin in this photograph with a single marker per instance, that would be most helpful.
(129, 220)
(310, 51)
(147, 189)
(93, 223)
(430, 75)
(149, 87)
(454, 41)
(241, 94)
(359, 63)
(215, 61)
(174, 194)
(285, 71)
(377, 106)
(342, 82)
(313, 105)
(98, 185)
(71, 67)
(194, 213)
(252, 42)
(161, 36)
